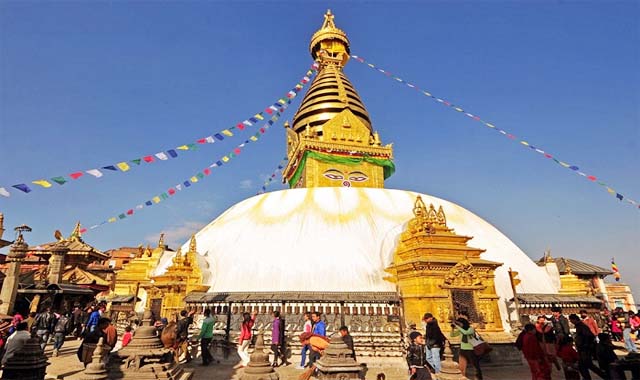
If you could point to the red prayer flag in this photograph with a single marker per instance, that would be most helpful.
(171, 191)
(236, 151)
(268, 110)
(76, 175)
(547, 155)
(148, 159)
(262, 130)
(591, 178)
(83, 230)
(240, 126)
(202, 141)
(207, 171)
(130, 212)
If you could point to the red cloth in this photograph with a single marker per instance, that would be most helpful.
(531, 347)
(126, 338)
(540, 369)
(568, 354)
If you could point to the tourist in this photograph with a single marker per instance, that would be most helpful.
(206, 336)
(94, 317)
(182, 332)
(347, 339)
(462, 327)
(45, 323)
(434, 341)
(126, 337)
(85, 320)
(569, 357)
(277, 339)
(90, 341)
(17, 318)
(305, 347)
(590, 322)
(16, 341)
(416, 357)
(605, 354)
(31, 320)
(245, 338)
(629, 342)
(60, 332)
(535, 355)
(109, 331)
(77, 318)
(616, 330)
(585, 342)
(319, 328)
(560, 323)
(547, 339)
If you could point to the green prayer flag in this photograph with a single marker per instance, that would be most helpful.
(137, 161)
(59, 180)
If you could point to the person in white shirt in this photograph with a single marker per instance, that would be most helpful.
(16, 341)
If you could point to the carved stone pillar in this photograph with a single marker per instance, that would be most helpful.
(449, 369)
(10, 286)
(338, 362)
(56, 263)
(259, 367)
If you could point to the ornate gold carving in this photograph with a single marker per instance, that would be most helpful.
(463, 274)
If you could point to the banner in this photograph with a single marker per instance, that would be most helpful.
(506, 134)
(273, 175)
(125, 166)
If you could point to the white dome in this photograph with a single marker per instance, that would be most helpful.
(336, 239)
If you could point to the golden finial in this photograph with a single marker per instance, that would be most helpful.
(76, 235)
(330, 44)
(178, 259)
(441, 217)
(328, 20)
(192, 244)
(161, 241)
(567, 267)
(419, 209)
(148, 250)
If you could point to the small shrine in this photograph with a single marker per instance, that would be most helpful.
(137, 273)
(259, 367)
(435, 270)
(168, 290)
(337, 362)
(146, 358)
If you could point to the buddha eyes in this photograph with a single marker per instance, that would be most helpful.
(353, 176)
(333, 175)
(358, 178)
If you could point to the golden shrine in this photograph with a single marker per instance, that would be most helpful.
(162, 294)
(436, 270)
(331, 142)
(167, 291)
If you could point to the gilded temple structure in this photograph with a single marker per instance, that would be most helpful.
(166, 292)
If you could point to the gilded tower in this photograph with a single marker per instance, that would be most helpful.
(331, 142)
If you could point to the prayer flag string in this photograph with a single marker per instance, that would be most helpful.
(273, 175)
(506, 134)
(124, 166)
(184, 185)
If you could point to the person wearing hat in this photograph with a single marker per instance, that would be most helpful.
(416, 358)
(16, 341)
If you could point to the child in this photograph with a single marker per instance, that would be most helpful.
(416, 358)
(126, 338)
(569, 358)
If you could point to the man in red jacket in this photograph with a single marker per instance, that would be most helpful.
(538, 363)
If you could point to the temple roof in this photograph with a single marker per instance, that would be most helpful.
(577, 267)
(533, 298)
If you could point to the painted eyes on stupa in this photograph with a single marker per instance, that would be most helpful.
(337, 175)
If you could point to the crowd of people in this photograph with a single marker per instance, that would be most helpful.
(550, 343)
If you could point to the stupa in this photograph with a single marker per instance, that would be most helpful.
(333, 241)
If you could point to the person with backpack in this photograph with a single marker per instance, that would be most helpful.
(45, 322)
(461, 327)
(60, 332)
(585, 342)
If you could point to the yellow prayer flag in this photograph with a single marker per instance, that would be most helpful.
(227, 132)
(225, 159)
(282, 101)
(610, 190)
(426, 93)
(458, 109)
(564, 164)
(156, 199)
(183, 147)
(112, 220)
(42, 182)
(123, 166)
(489, 125)
(524, 143)
(258, 116)
(193, 179)
(253, 138)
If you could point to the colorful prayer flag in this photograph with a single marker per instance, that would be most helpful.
(225, 159)
(148, 159)
(162, 156)
(4, 192)
(59, 180)
(219, 136)
(259, 116)
(156, 199)
(110, 167)
(227, 132)
(22, 187)
(183, 147)
(122, 216)
(148, 203)
(172, 153)
(76, 175)
(95, 172)
(137, 161)
(123, 166)
(42, 182)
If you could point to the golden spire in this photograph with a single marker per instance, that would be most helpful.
(178, 259)
(192, 244)
(76, 235)
(330, 44)
(161, 241)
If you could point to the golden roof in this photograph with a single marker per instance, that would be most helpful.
(331, 92)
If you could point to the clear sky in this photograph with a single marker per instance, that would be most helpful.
(89, 84)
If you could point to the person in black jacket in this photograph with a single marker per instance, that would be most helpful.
(560, 324)
(584, 341)
(182, 333)
(434, 341)
(416, 358)
(347, 339)
(45, 321)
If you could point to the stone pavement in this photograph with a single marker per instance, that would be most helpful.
(67, 366)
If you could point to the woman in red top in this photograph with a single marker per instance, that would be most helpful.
(569, 357)
(536, 357)
(245, 338)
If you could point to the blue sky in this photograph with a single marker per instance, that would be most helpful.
(88, 84)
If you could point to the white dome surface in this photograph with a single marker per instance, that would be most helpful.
(336, 239)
